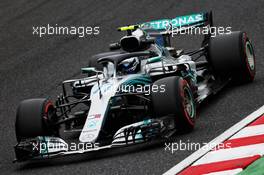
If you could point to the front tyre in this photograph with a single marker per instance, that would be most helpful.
(176, 100)
(35, 117)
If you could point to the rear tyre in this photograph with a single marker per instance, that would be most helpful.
(232, 55)
(35, 117)
(176, 100)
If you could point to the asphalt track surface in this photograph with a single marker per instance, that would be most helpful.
(34, 67)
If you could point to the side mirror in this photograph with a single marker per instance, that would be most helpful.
(87, 70)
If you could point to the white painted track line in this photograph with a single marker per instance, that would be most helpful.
(250, 131)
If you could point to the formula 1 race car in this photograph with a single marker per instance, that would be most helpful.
(143, 89)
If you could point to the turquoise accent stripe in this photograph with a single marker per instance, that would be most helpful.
(138, 80)
(131, 82)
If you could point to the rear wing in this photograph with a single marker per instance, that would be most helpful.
(163, 28)
(192, 20)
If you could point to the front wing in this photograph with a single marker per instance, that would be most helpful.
(43, 147)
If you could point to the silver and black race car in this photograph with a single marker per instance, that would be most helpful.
(143, 89)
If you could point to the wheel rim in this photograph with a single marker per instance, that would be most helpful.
(250, 56)
(188, 103)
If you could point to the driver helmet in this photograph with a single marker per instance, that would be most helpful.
(129, 66)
